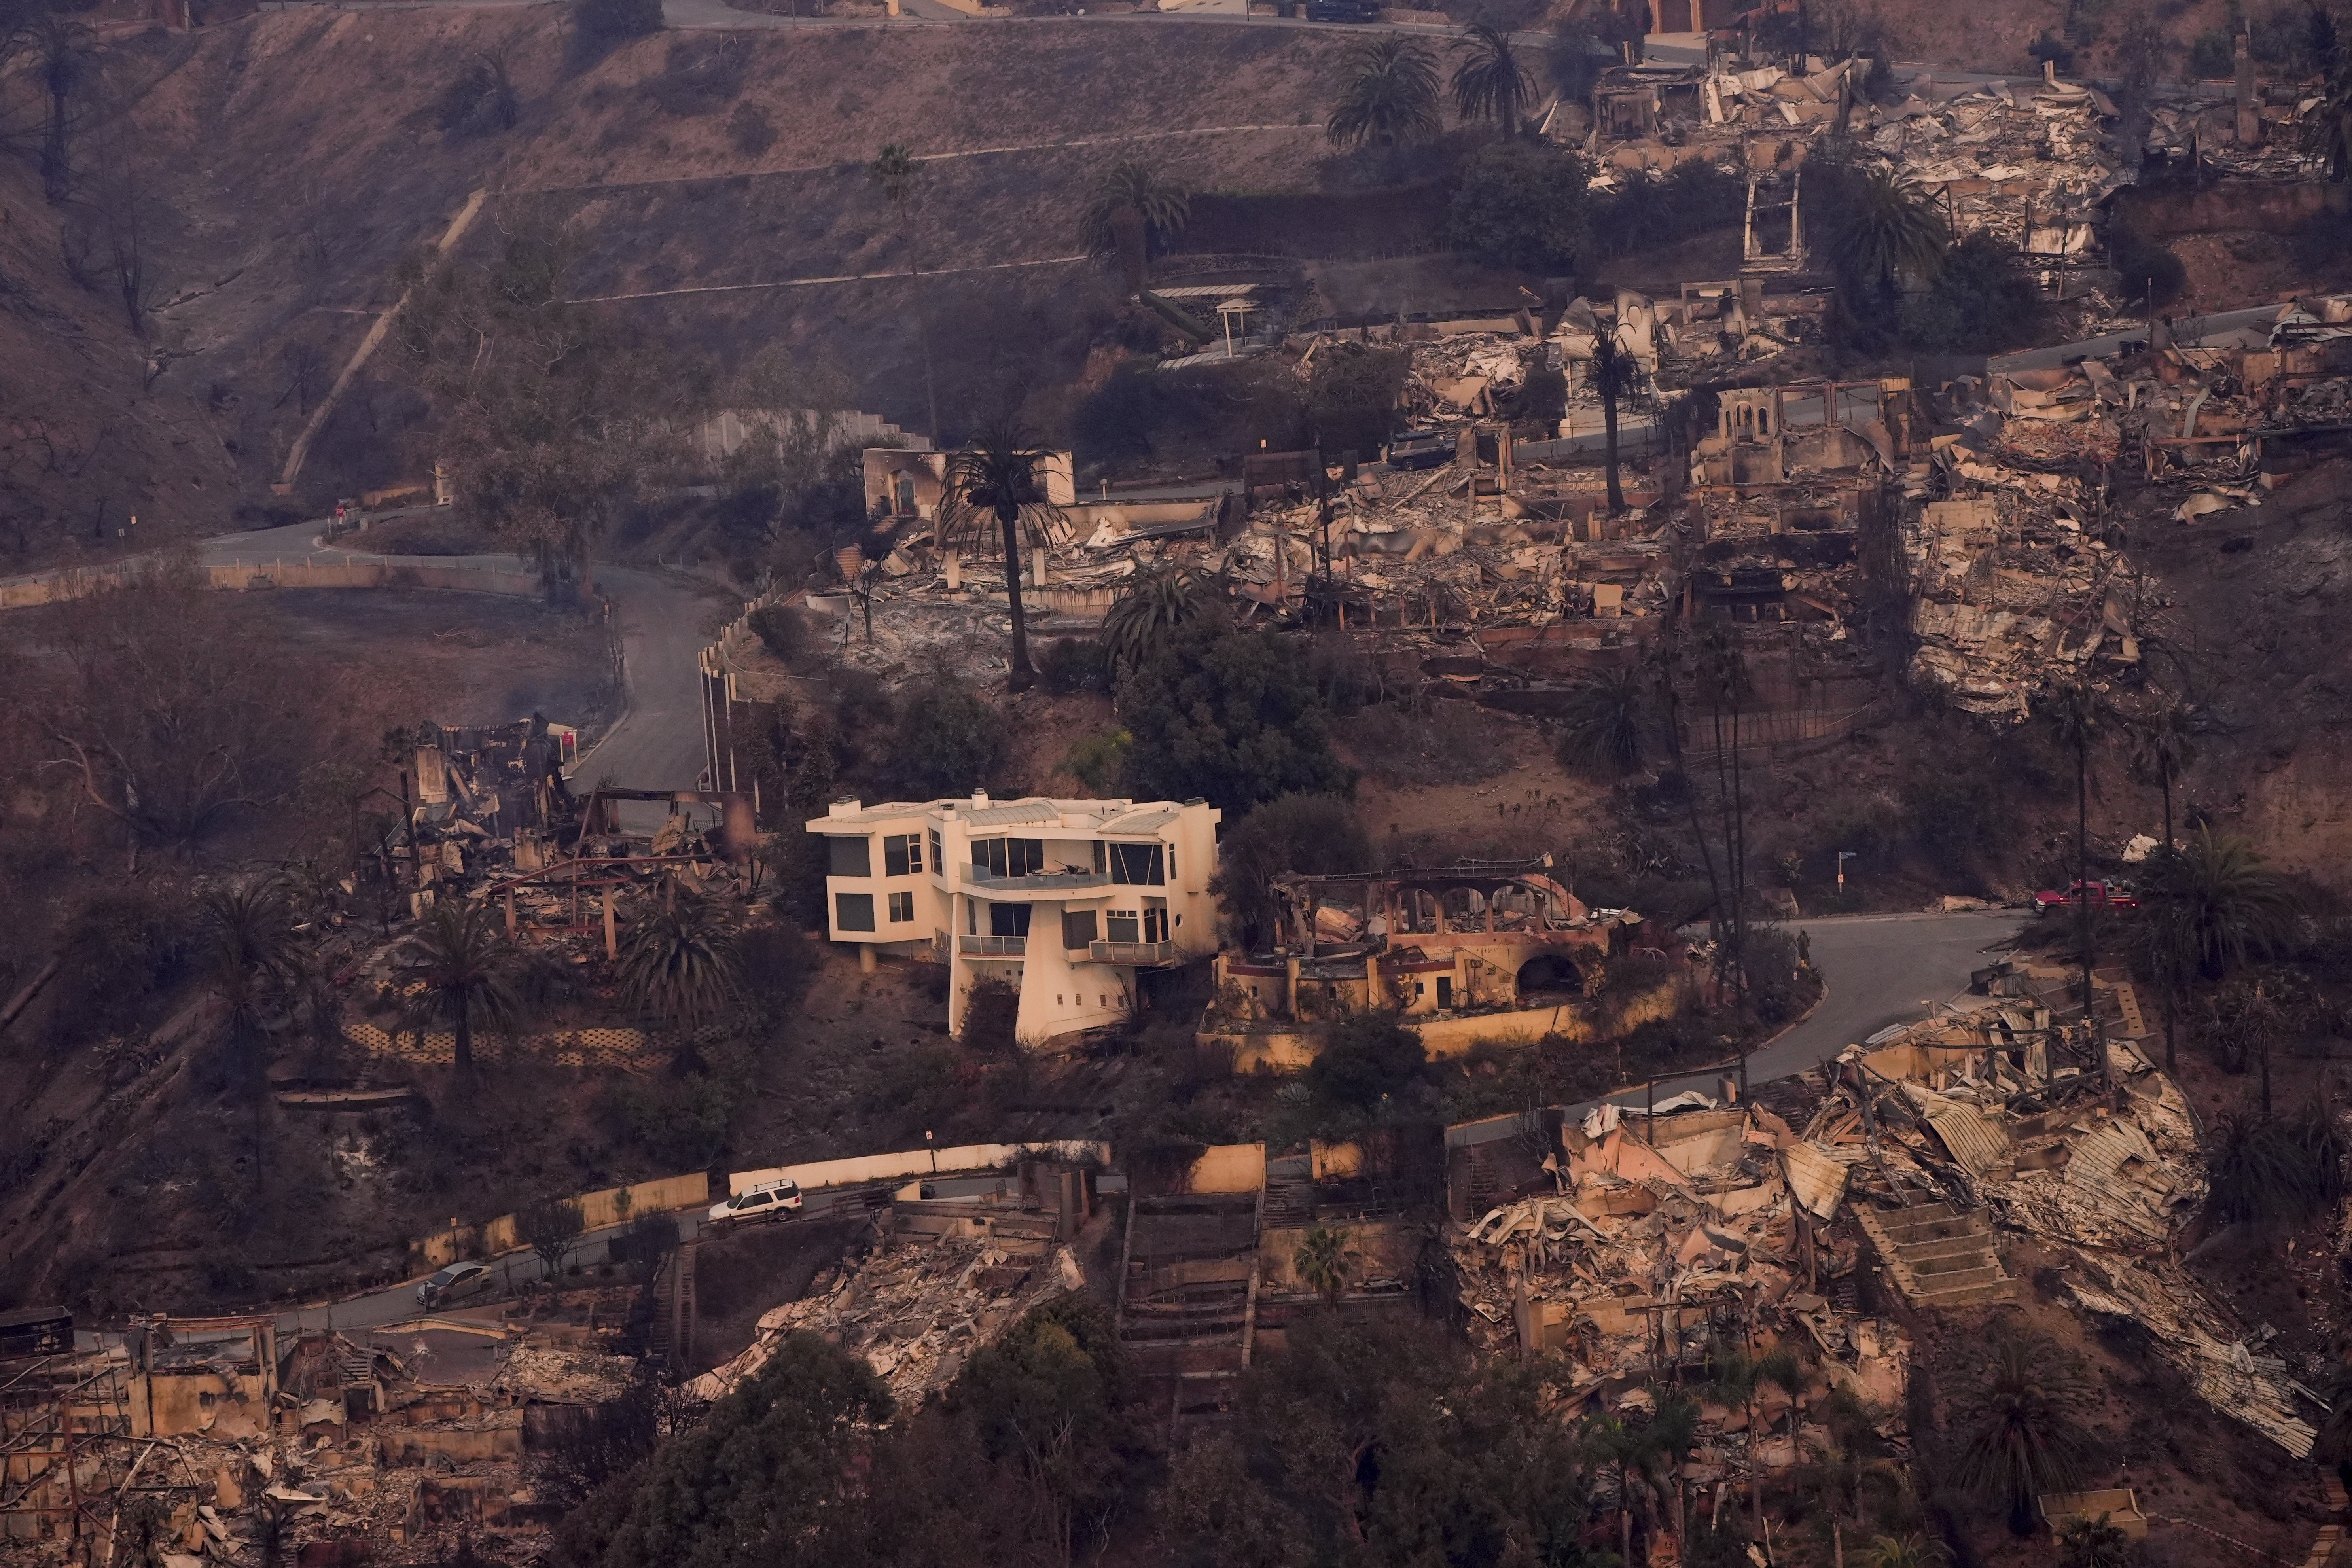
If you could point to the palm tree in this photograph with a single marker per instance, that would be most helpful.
(2218, 900)
(2161, 748)
(1143, 620)
(2023, 1439)
(469, 969)
(252, 963)
(1132, 210)
(253, 969)
(1739, 1376)
(1388, 97)
(1325, 1262)
(1603, 722)
(1630, 1448)
(1000, 477)
(681, 963)
(1615, 375)
(1888, 230)
(1490, 84)
(2077, 719)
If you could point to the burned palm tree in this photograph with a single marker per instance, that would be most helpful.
(1000, 479)
(1615, 376)
(681, 964)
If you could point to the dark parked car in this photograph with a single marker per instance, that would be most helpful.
(1421, 449)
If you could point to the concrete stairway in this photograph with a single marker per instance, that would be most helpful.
(1936, 1257)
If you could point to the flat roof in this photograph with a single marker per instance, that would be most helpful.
(1115, 815)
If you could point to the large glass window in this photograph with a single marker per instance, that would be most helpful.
(852, 912)
(1077, 927)
(1137, 864)
(902, 854)
(902, 907)
(848, 858)
(1122, 925)
(1155, 922)
(1008, 919)
(1009, 857)
(939, 861)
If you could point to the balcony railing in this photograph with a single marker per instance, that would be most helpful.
(1138, 952)
(993, 947)
(1036, 882)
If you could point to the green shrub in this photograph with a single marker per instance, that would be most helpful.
(1073, 665)
(1520, 204)
(679, 1123)
(1231, 717)
(949, 739)
(1365, 1059)
(992, 1008)
(784, 631)
(1979, 303)
(1099, 760)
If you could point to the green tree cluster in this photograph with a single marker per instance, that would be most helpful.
(1227, 715)
(1352, 397)
(1521, 204)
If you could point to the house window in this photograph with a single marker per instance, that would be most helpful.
(1155, 922)
(902, 855)
(848, 858)
(1077, 927)
(1136, 865)
(1101, 864)
(852, 912)
(939, 861)
(1009, 857)
(1008, 919)
(902, 907)
(1122, 925)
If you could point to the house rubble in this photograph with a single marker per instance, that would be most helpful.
(333, 1443)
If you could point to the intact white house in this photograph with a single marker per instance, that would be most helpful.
(1065, 898)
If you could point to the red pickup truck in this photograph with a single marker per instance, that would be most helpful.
(2098, 895)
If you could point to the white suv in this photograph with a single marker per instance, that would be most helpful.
(769, 1200)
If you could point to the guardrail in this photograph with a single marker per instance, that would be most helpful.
(1035, 881)
(993, 946)
(1138, 952)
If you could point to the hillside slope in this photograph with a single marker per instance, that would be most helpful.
(284, 164)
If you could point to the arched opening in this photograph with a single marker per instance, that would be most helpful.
(1550, 975)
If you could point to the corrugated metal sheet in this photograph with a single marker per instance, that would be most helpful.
(1815, 1180)
(2102, 1151)
(1976, 1143)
